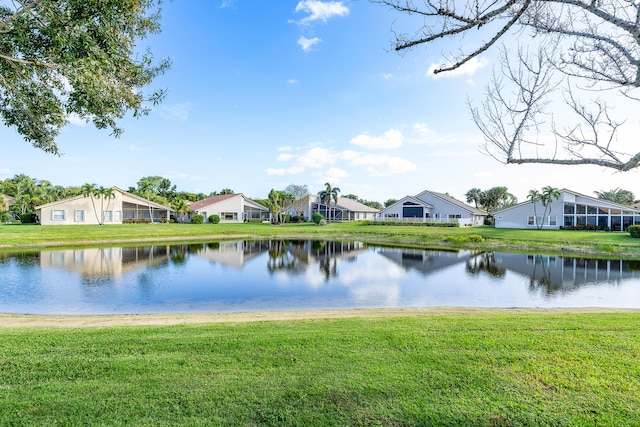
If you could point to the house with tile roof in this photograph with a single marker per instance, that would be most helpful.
(571, 211)
(345, 210)
(122, 208)
(230, 208)
(431, 206)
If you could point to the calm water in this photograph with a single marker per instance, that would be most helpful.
(302, 275)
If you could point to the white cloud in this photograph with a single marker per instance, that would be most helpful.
(176, 112)
(317, 158)
(292, 81)
(467, 69)
(283, 157)
(75, 119)
(390, 139)
(307, 44)
(284, 171)
(319, 10)
(382, 164)
(387, 76)
(285, 148)
(333, 175)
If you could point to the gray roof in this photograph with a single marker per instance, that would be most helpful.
(456, 202)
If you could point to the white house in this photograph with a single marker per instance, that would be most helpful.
(430, 206)
(122, 208)
(571, 211)
(230, 208)
(345, 210)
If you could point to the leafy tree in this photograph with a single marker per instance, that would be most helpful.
(496, 198)
(147, 185)
(299, 193)
(617, 195)
(182, 208)
(390, 202)
(74, 57)
(329, 193)
(574, 44)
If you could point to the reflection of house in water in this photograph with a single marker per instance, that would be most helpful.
(558, 273)
(233, 253)
(104, 262)
(425, 261)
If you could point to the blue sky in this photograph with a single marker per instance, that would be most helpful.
(262, 94)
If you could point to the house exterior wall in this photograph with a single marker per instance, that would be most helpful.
(229, 210)
(67, 212)
(571, 211)
(442, 209)
(437, 209)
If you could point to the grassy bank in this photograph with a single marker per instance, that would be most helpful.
(549, 241)
(452, 369)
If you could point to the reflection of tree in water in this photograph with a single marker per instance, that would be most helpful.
(485, 262)
(541, 269)
(22, 259)
(327, 258)
(280, 257)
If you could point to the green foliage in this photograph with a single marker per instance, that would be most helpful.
(412, 224)
(213, 219)
(317, 217)
(74, 57)
(5, 216)
(461, 239)
(197, 219)
(27, 218)
(634, 231)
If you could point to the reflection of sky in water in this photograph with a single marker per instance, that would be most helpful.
(237, 276)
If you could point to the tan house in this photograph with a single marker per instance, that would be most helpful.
(123, 207)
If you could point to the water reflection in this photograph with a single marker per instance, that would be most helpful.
(302, 274)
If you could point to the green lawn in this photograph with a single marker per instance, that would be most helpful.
(556, 241)
(429, 370)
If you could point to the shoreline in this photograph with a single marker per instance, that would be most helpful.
(8, 320)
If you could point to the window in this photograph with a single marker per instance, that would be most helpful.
(531, 220)
(117, 216)
(412, 211)
(57, 215)
(539, 220)
(581, 209)
(569, 208)
(592, 210)
(108, 216)
(391, 216)
(553, 220)
(78, 216)
(455, 216)
(229, 216)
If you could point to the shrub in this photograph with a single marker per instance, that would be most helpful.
(197, 219)
(5, 216)
(489, 221)
(412, 224)
(298, 218)
(457, 240)
(317, 217)
(634, 231)
(27, 218)
(214, 219)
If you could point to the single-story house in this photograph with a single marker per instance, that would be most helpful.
(345, 210)
(7, 201)
(122, 208)
(430, 206)
(571, 211)
(230, 208)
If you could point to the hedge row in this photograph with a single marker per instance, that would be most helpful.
(413, 224)
(634, 231)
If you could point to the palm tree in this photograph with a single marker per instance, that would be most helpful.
(182, 208)
(534, 197)
(274, 205)
(617, 195)
(474, 195)
(146, 185)
(327, 195)
(105, 193)
(548, 195)
(90, 190)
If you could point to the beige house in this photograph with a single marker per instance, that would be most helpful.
(123, 207)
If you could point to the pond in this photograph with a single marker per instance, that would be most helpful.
(282, 275)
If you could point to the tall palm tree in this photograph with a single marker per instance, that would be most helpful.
(329, 193)
(534, 197)
(105, 193)
(474, 195)
(547, 196)
(90, 190)
(274, 204)
(617, 195)
(146, 186)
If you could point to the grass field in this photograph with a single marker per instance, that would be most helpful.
(550, 241)
(427, 370)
